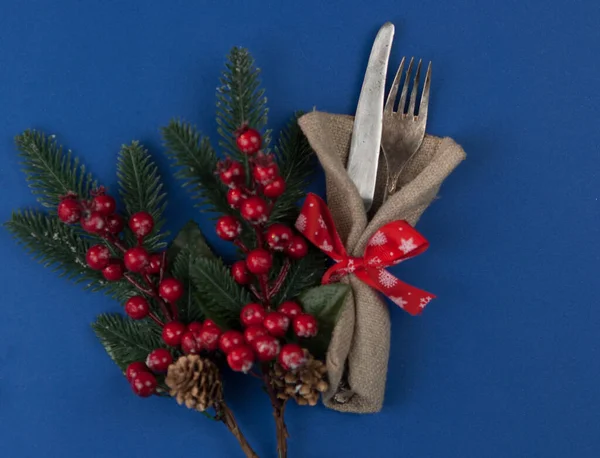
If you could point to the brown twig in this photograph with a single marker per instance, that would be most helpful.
(135, 283)
(225, 415)
(255, 292)
(278, 415)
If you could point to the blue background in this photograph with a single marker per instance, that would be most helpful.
(506, 363)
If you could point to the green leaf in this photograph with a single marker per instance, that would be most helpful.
(141, 189)
(221, 297)
(190, 237)
(50, 172)
(125, 340)
(196, 163)
(324, 303)
(240, 100)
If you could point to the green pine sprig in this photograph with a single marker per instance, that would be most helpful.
(222, 298)
(296, 161)
(240, 100)
(196, 164)
(125, 340)
(141, 189)
(51, 172)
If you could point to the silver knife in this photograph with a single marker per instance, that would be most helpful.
(366, 135)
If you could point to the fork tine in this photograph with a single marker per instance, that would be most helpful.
(425, 97)
(415, 90)
(391, 99)
(402, 103)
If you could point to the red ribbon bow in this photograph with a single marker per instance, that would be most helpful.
(392, 243)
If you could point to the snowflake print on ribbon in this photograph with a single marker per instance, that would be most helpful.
(424, 301)
(375, 261)
(322, 223)
(407, 245)
(378, 239)
(386, 279)
(326, 247)
(301, 222)
(399, 300)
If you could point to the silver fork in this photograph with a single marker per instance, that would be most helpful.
(403, 130)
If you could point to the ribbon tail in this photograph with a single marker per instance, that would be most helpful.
(409, 298)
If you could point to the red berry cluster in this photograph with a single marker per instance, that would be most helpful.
(263, 338)
(263, 332)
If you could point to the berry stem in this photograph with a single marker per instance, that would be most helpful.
(163, 266)
(264, 289)
(115, 241)
(240, 245)
(256, 293)
(163, 305)
(134, 282)
(225, 415)
(280, 279)
(154, 318)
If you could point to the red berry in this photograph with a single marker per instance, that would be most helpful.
(144, 384)
(251, 333)
(266, 348)
(93, 223)
(240, 273)
(265, 170)
(69, 210)
(209, 322)
(134, 369)
(241, 358)
(231, 173)
(252, 314)
(298, 248)
(248, 141)
(159, 360)
(235, 197)
(98, 257)
(114, 223)
(276, 323)
(173, 332)
(229, 340)
(291, 357)
(279, 236)
(255, 210)
(141, 224)
(190, 345)
(209, 336)
(290, 309)
(305, 325)
(170, 289)
(228, 228)
(136, 259)
(114, 270)
(155, 264)
(103, 204)
(137, 307)
(259, 261)
(194, 327)
(275, 188)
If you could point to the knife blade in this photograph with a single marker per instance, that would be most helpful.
(366, 134)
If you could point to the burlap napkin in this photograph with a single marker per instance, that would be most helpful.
(357, 358)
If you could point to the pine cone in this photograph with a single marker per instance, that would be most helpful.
(303, 385)
(195, 382)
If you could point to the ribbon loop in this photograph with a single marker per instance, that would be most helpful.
(391, 244)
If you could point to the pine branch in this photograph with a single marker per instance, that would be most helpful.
(50, 172)
(190, 307)
(52, 243)
(196, 162)
(222, 297)
(125, 340)
(304, 273)
(296, 164)
(141, 189)
(240, 100)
